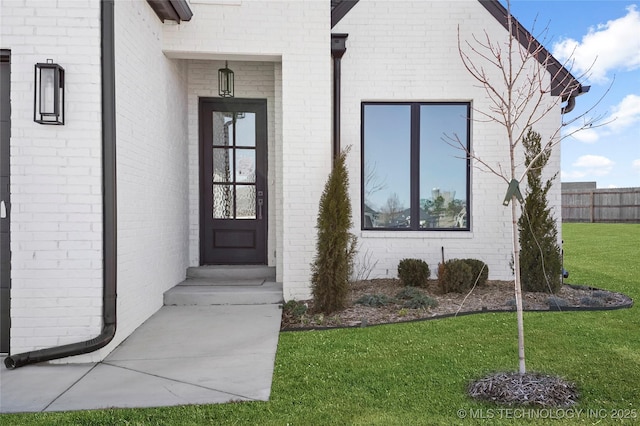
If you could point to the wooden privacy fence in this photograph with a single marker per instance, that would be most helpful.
(601, 205)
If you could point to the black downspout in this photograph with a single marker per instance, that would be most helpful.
(338, 47)
(109, 227)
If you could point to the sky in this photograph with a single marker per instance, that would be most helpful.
(602, 39)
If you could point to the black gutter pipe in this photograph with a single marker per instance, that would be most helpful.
(109, 224)
(571, 101)
(338, 47)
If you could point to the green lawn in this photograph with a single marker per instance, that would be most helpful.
(416, 373)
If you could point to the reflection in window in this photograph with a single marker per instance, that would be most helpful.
(415, 172)
(443, 167)
(387, 179)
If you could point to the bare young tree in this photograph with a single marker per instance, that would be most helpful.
(392, 209)
(523, 84)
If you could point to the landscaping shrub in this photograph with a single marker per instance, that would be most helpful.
(375, 300)
(478, 268)
(413, 272)
(421, 301)
(592, 301)
(540, 256)
(455, 276)
(415, 299)
(408, 293)
(294, 308)
(557, 302)
(512, 303)
(336, 246)
(605, 295)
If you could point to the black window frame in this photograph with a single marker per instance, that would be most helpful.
(414, 167)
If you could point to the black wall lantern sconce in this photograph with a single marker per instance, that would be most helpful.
(225, 81)
(48, 102)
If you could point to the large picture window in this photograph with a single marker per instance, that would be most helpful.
(415, 174)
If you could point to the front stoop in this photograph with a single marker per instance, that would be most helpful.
(226, 285)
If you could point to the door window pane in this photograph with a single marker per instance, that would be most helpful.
(222, 128)
(245, 129)
(443, 166)
(246, 202)
(222, 164)
(246, 165)
(223, 205)
(387, 155)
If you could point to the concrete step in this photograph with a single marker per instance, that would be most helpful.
(226, 273)
(206, 292)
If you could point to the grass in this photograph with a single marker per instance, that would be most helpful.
(416, 373)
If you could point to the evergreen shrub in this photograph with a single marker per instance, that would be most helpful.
(413, 272)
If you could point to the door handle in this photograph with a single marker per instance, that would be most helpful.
(3, 210)
(260, 203)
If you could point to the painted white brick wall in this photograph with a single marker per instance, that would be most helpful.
(152, 166)
(281, 49)
(56, 170)
(407, 51)
(56, 228)
(253, 80)
(295, 34)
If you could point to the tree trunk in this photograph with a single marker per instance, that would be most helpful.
(518, 285)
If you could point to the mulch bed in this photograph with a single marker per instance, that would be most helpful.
(494, 296)
(529, 389)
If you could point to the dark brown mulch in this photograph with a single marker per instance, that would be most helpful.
(530, 389)
(493, 296)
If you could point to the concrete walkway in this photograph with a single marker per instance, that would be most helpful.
(181, 355)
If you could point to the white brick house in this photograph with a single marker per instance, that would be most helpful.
(142, 109)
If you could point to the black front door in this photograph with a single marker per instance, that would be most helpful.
(233, 181)
(5, 247)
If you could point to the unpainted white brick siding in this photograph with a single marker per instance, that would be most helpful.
(407, 51)
(56, 211)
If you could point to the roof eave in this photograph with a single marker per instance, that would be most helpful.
(340, 9)
(173, 10)
(563, 83)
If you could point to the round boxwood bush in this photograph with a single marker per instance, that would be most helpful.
(478, 268)
(413, 272)
(455, 276)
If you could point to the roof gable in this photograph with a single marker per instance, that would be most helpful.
(339, 8)
(563, 84)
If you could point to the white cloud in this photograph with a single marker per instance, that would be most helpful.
(572, 175)
(594, 165)
(625, 114)
(583, 135)
(608, 47)
(621, 116)
(636, 165)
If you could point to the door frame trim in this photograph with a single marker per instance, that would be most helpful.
(202, 101)
(5, 316)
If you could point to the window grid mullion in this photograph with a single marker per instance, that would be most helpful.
(414, 200)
